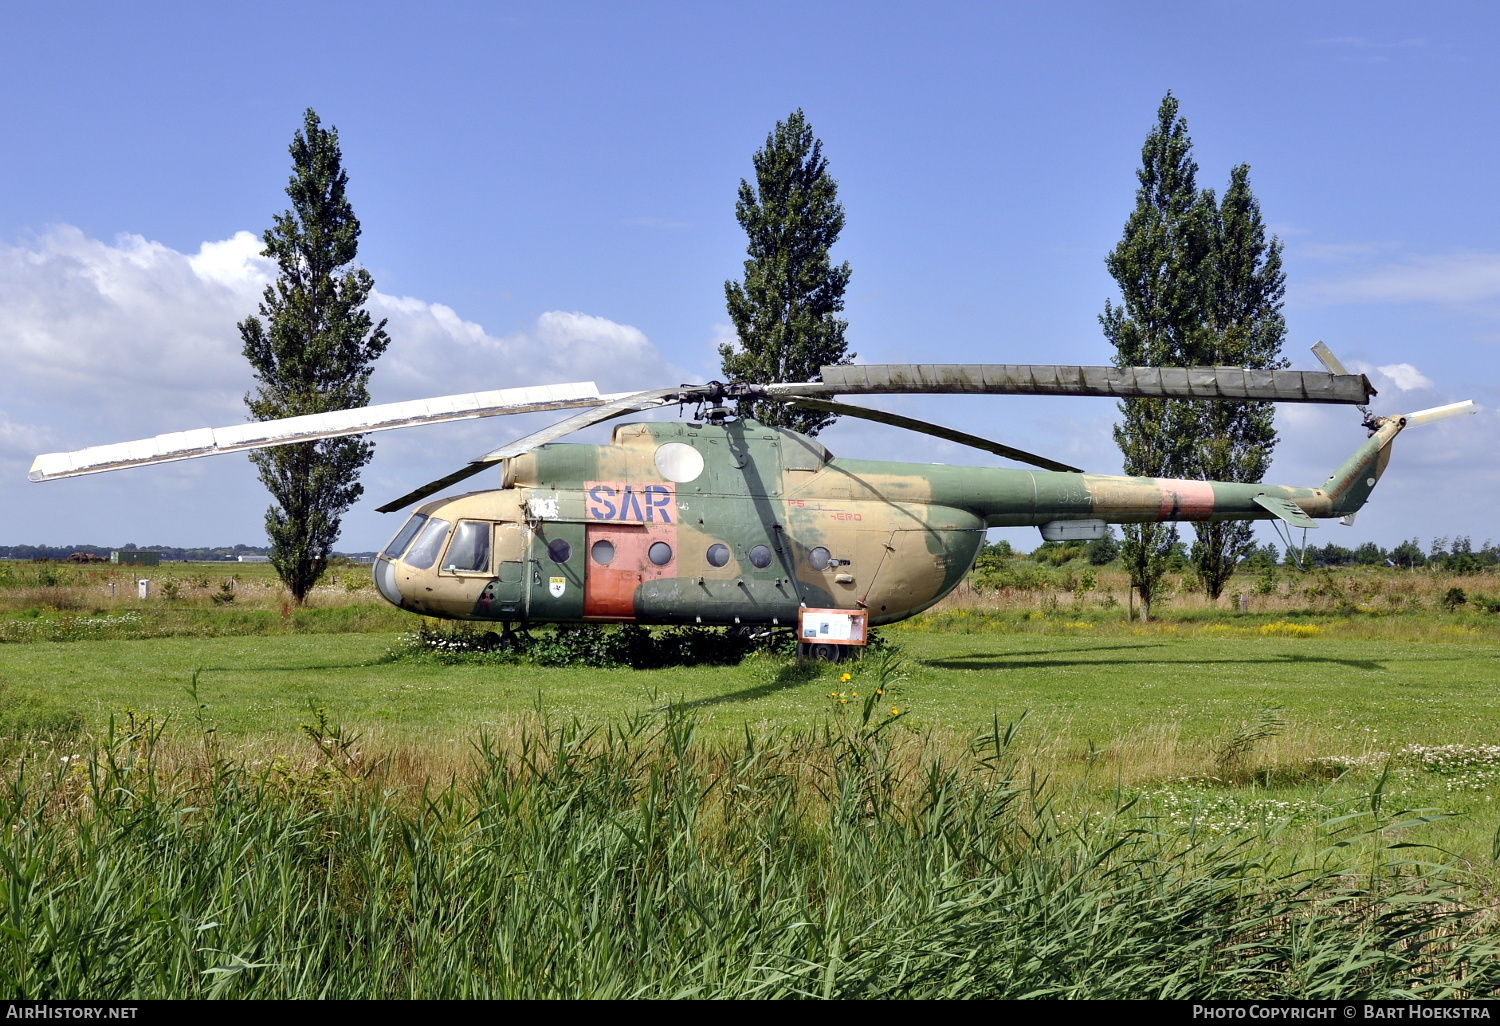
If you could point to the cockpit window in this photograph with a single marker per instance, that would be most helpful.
(429, 543)
(470, 550)
(404, 536)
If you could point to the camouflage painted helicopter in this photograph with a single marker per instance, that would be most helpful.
(723, 520)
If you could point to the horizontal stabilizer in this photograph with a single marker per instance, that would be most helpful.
(1287, 510)
(1238, 383)
(186, 445)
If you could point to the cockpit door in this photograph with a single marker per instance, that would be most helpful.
(508, 595)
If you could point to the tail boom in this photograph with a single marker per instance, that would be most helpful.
(1134, 500)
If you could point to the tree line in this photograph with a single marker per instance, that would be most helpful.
(1457, 555)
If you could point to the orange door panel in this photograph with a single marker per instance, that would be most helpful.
(619, 558)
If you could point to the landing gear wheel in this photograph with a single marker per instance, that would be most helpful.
(507, 640)
(822, 651)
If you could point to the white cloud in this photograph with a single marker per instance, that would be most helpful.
(106, 327)
(436, 352)
(1405, 377)
(134, 329)
(112, 341)
(236, 263)
(1451, 278)
(1400, 377)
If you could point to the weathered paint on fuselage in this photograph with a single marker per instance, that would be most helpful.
(799, 527)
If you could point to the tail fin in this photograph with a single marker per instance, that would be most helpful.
(1350, 486)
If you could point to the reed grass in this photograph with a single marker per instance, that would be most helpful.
(636, 858)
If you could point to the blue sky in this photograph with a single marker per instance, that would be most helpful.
(547, 194)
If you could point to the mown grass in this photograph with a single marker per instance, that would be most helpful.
(640, 858)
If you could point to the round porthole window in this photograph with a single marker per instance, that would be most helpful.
(558, 550)
(718, 555)
(603, 552)
(659, 553)
(677, 461)
(818, 558)
(760, 557)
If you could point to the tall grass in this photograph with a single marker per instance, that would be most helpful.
(637, 859)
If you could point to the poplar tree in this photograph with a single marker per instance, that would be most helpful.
(784, 312)
(1159, 265)
(1200, 286)
(313, 354)
(1246, 328)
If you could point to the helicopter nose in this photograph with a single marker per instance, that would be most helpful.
(385, 581)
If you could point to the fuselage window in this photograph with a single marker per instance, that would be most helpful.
(603, 552)
(818, 558)
(760, 557)
(404, 536)
(428, 544)
(660, 553)
(559, 551)
(470, 550)
(718, 554)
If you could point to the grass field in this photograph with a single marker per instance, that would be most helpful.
(1114, 689)
(1221, 741)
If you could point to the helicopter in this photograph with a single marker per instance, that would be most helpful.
(722, 520)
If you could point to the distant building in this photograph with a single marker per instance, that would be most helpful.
(255, 559)
(135, 557)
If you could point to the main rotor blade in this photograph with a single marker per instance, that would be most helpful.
(1327, 359)
(616, 406)
(1235, 383)
(186, 445)
(937, 430)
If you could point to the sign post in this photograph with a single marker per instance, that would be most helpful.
(836, 628)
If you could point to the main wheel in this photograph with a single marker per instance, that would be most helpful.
(822, 651)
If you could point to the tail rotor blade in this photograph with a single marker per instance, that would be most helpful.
(1441, 413)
